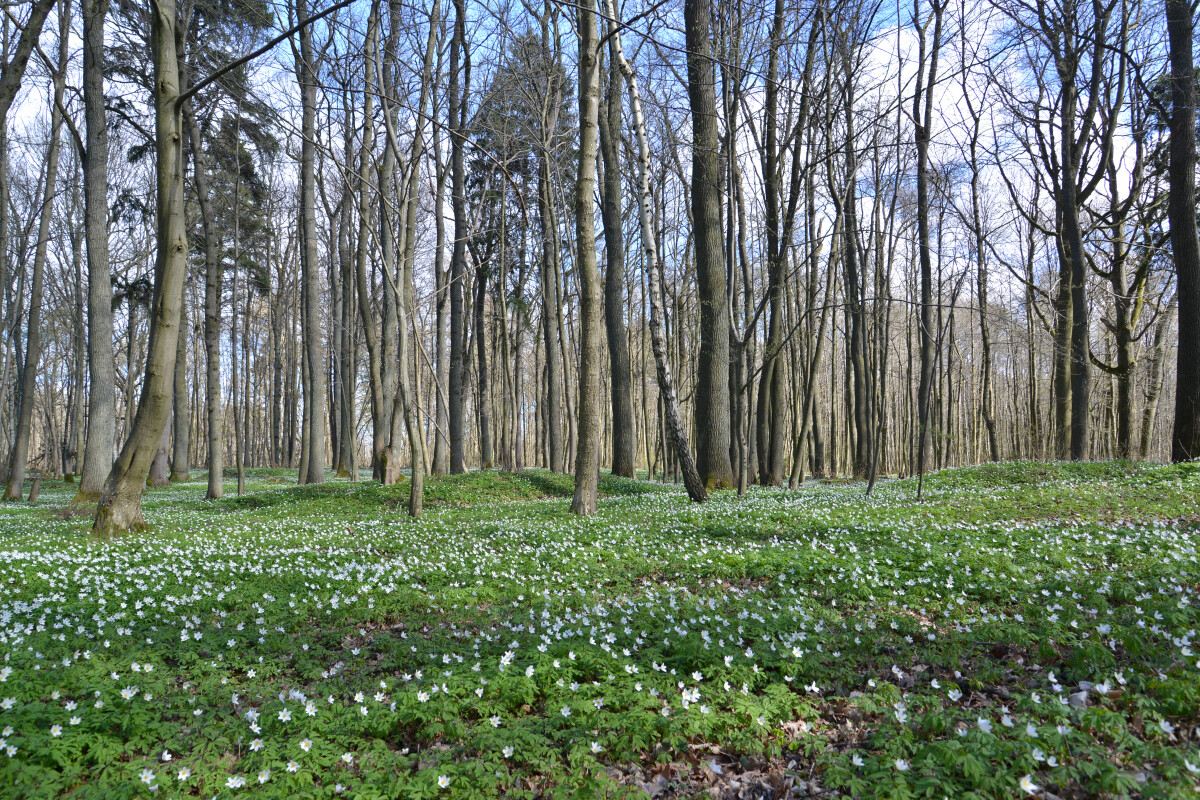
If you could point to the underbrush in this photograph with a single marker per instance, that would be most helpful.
(1024, 629)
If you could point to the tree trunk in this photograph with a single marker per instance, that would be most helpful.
(922, 120)
(1181, 210)
(458, 260)
(483, 381)
(591, 302)
(120, 507)
(102, 400)
(1155, 380)
(623, 461)
(669, 403)
(551, 333)
(712, 374)
(380, 402)
(181, 455)
(314, 350)
(33, 341)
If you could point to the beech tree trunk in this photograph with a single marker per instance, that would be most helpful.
(314, 349)
(712, 371)
(621, 390)
(120, 507)
(180, 455)
(591, 303)
(458, 260)
(102, 400)
(1185, 436)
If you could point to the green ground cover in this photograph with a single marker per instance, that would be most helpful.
(1025, 630)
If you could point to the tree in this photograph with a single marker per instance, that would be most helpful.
(623, 461)
(33, 340)
(457, 110)
(712, 372)
(120, 506)
(1185, 437)
(922, 116)
(666, 385)
(313, 457)
(101, 417)
(587, 456)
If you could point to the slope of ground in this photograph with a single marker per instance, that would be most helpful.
(1026, 629)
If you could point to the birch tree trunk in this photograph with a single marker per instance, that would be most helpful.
(676, 431)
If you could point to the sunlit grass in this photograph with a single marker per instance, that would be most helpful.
(1022, 621)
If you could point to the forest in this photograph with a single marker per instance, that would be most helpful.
(727, 246)
(802, 396)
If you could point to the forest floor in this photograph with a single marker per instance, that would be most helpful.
(1025, 630)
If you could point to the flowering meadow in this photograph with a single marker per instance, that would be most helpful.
(1025, 630)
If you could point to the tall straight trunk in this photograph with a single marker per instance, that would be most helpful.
(377, 390)
(981, 284)
(277, 348)
(621, 395)
(386, 67)
(441, 378)
(74, 440)
(591, 302)
(180, 454)
(33, 340)
(120, 507)
(102, 400)
(551, 332)
(483, 381)
(406, 393)
(458, 260)
(213, 279)
(669, 403)
(712, 373)
(1155, 380)
(1181, 210)
(314, 350)
(858, 422)
(922, 120)
(1062, 362)
(238, 440)
(770, 386)
(1073, 236)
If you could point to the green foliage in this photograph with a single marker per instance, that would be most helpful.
(1026, 628)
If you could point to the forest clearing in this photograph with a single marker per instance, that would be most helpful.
(1024, 629)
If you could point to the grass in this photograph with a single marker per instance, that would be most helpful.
(1025, 629)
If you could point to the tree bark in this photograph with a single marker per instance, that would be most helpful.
(712, 373)
(120, 507)
(922, 120)
(623, 462)
(1181, 210)
(102, 400)
(314, 350)
(591, 302)
(181, 455)
(33, 341)
(671, 418)
(458, 260)
(213, 279)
